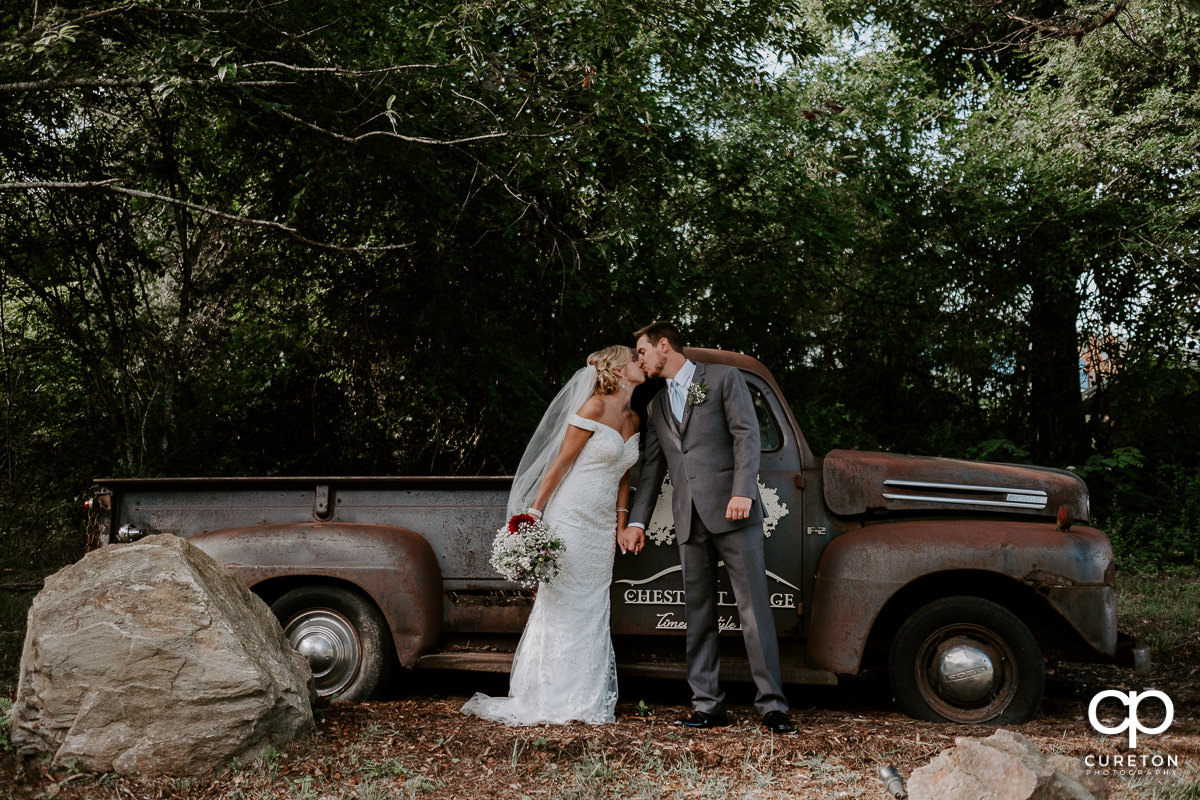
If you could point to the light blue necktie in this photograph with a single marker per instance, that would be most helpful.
(678, 398)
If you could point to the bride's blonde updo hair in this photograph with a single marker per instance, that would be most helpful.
(608, 363)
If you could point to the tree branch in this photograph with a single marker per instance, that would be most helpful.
(52, 84)
(34, 30)
(1048, 27)
(110, 186)
(340, 71)
(390, 134)
(72, 83)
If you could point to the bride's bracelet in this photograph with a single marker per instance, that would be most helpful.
(619, 510)
(533, 512)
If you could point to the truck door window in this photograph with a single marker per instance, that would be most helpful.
(768, 429)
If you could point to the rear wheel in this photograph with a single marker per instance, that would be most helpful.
(966, 660)
(343, 636)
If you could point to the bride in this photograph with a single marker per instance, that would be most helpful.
(574, 474)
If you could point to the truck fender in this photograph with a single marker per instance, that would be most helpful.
(864, 570)
(394, 567)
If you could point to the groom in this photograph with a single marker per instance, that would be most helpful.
(704, 430)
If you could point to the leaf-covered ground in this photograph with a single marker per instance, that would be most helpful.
(419, 745)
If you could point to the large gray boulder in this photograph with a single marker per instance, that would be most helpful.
(153, 658)
(1004, 766)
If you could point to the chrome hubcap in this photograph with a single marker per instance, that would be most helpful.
(331, 646)
(964, 672)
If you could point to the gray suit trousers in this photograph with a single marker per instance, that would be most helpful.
(742, 552)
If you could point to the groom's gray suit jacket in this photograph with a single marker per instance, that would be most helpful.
(712, 455)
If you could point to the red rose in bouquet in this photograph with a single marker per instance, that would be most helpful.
(519, 521)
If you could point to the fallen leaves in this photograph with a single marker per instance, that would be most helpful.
(421, 745)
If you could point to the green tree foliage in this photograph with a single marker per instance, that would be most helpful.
(373, 238)
(325, 238)
(1093, 171)
(1060, 195)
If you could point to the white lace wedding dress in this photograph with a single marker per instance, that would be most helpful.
(564, 667)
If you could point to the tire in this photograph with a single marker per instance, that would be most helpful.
(343, 636)
(966, 660)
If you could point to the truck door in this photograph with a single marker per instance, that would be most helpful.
(647, 591)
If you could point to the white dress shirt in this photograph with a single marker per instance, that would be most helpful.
(683, 379)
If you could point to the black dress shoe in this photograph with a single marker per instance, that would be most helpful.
(700, 719)
(778, 722)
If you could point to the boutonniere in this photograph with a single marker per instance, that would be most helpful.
(697, 394)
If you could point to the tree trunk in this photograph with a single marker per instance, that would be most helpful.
(1055, 402)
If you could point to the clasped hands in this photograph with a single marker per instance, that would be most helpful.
(632, 539)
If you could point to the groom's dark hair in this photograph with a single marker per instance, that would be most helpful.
(656, 331)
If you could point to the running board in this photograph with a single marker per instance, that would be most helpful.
(732, 669)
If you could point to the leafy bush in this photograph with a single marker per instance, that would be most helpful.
(40, 534)
(6, 707)
(1170, 535)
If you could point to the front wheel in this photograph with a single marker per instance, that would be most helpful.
(343, 636)
(966, 660)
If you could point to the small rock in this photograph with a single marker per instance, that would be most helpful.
(1004, 766)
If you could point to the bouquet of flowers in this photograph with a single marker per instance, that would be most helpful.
(525, 551)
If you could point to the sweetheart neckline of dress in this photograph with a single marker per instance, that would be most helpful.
(611, 428)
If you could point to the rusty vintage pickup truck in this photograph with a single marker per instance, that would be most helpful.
(962, 580)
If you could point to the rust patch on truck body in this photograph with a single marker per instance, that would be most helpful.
(864, 570)
(396, 568)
